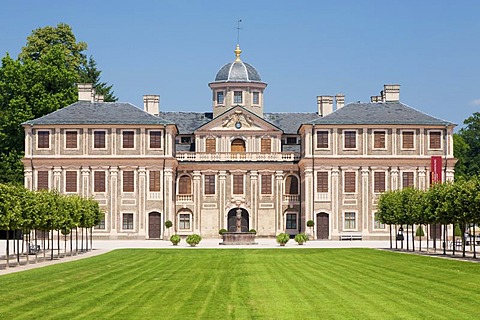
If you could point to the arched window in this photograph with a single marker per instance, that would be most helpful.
(291, 185)
(185, 185)
(238, 145)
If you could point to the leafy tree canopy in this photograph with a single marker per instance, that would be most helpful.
(467, 147)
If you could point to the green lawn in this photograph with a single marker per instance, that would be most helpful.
(245, 284)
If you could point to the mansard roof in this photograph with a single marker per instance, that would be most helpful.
(188, 122)
(383, 113)
(84, 112)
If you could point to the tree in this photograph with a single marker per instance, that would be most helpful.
(467, 147)
(90, 74)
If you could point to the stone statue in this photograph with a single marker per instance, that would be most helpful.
(239, 220)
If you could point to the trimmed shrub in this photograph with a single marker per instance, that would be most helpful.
(301, 238)
(222, 231)
(168, 224)
(252, 231)
(193, 239)
(310, 223)
(419, 232)
(175, 239)
(283, 238)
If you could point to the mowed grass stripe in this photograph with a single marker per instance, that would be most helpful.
(246, 284)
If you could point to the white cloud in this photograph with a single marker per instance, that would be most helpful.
(475, 102)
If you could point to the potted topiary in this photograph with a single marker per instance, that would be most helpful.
(222, 231)
(311, 224)
(252, 231)
(175, 239)
(301, 238)
(193, 240)
(282, 238)
(168, 224)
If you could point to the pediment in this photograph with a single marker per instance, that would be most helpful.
(240, 120)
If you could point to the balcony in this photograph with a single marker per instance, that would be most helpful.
(238, 156)
(154, 195)
(184, 197)
(322, 196)
(291, 198)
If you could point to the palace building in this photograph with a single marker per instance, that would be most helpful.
(197, 169)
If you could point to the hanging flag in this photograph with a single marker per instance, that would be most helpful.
(435, 169)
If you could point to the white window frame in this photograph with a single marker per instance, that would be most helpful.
(329, 133)
(93, 139)
(253, 98)
(356, 220)
(241, 97)
(261, 183)
(64, 174)
(190, 217)
(356, 139)
(134, 139)
(148, 139)
(373, 139)
(216, 97)
(385, 181)
(329, 180)
(441, 139)
(356, 182)
(243, 184)
(296, 220)
(414, 177)
(133, 218)
(105, 221)
(414, 139)
(203, 184)
(134, 181)
(65, 139)
(50, 134)
(374, 227)
(92, 181)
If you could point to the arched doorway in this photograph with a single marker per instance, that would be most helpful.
(323, 225)
(154, 225)
(238, 146)
(232, 220)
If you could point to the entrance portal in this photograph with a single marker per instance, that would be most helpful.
(322, 225)
(154, 225)
(232, 220)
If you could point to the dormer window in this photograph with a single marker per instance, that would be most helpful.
(237, 97)
(220, 97)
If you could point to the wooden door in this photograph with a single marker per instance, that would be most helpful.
(322, 225)
(154, 224)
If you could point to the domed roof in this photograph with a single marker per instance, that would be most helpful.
(237, 71)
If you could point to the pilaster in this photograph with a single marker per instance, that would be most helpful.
(28, 180)
(85, 182)
(142, 195)
(394, 178)
(278, 201)
(365, 198)
(222, 177)
(422, 181)
(253, 199)
(197, 197)
(113, 196)
(57, 178)
(335, 201)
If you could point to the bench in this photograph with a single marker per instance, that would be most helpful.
(350, 237)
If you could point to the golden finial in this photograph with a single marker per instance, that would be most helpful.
(237, 53)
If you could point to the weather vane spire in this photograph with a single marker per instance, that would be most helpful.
(237, 50)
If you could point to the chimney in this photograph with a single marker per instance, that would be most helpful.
(391, 93)
(151, 103)
(340, 100)
(85, 92)
(99, 98)
(375, 99)
(325, 105)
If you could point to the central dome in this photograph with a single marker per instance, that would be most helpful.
(238, 71)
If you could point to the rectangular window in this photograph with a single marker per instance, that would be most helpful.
(407, 179)
(349, 221)
(349, 182)
(128, 139)
(210, 145)
(220, 97)
(379, 182)
(322, 139)
(155, 139)
(43, 139)
(71, 139)
(184, 221)
(291, 140)
(266, 145)
(128, 181)
(291, 221)
(322, 181)
(154, 181)
(266, 184)
(435, 138)
(101, 224)
(42, 180)
(350, 139)
(238, 184)
(237, 97)
(407, 139)
(99, 139)
(256, 97)
(209, 184)
(99, 181)
(127, 221)
(70, 181)
(377, 224)
(379, 139)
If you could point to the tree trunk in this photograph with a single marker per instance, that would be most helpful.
(8, 251)
(390, 236)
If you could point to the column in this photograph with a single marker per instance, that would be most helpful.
(169, 200)
(57, 178)
(450, 174)
(28, 181)
(253, 199)
(422, 182)
(143, 141)
(113, 188)
(142, 195)
(197, 197)
(85, 182)
(278, 201)
(365, 198)
(222, 177)
(394, 183)
(334, 201)
(56, 141)
(309, 205)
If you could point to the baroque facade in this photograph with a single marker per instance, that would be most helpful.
(197, 169)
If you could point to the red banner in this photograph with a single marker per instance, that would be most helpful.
(435, 169)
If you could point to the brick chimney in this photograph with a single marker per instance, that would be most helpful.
(325, 105)
(86, 92)
(340, 100)
(151, 104)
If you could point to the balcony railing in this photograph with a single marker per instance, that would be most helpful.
(291, 198)
(322, 196)
(154, 195)
(184, 197)
(238, 156)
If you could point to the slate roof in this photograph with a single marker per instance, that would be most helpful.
(84, 112)
(393, 113)
(187, 122)
(238, 71)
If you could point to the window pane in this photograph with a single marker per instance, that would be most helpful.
(185, 185)
(379, 182)
(154, 181)
(99, 181)
(42, 180)
(266, 145)
(184, 221)
(350, 139)
(349, 222)
(407, 139)
(238, 184)
(377, 224)
(209, 184)
(220, 97)
(99, 139)
(128, 221)
(128, 181)
(256, 98)
(237, 97)
(291, 221)
(43, 139)
(379, 139)
(101, 223)
(266, 184)
(155, 139)
(407, 179)
(349, 180)
(322, 181)
(322, 139)
(435, 140)
(210, 145)
(128, 139)
(71, 139)
(70, 181)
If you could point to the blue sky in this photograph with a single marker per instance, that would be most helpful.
(300, 48)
